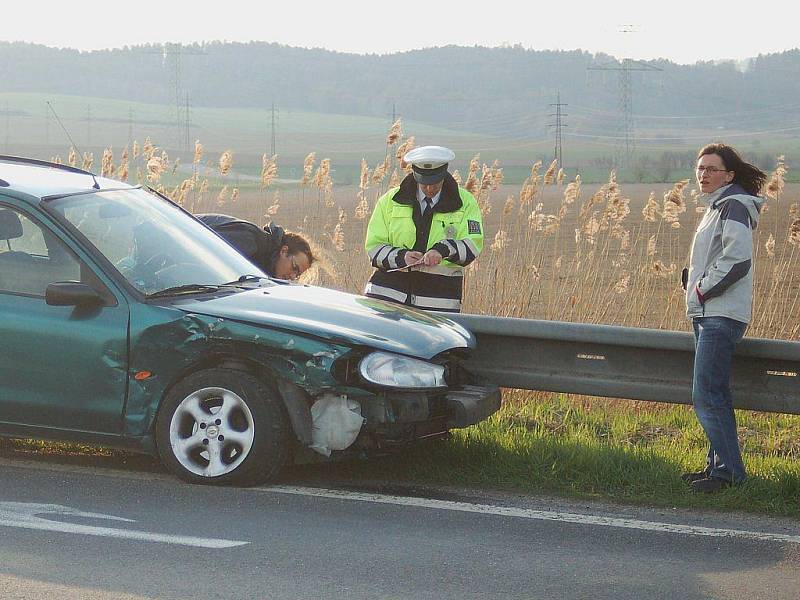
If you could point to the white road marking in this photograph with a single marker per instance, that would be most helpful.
(543, 515)
(25, 515)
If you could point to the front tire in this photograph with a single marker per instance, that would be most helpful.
(222, 427)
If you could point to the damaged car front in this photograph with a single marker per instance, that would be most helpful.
(356, 373)
(231, 374)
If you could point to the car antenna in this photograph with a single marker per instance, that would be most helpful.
(71, 141)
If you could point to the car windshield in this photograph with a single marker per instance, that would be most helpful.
(153, 244)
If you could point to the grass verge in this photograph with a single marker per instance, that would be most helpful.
(586, 448)
(610, 450)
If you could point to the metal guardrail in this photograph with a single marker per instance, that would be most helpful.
(625, 362)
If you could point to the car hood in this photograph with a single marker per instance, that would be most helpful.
(325, 313)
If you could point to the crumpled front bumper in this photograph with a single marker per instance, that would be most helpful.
(385, 420)
(471, 405)
(397, 419)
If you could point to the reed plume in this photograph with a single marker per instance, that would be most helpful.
(198, 152)
(269, 169)
(770, 246)
(394, 133)
(225, 162)
(776, 183)
(404, 148)
(275, 206)
(107, 163)
(794, 233)
(549, 175)
(148, 150)
(155, 167)
(308, 168)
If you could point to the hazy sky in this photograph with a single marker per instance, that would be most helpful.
(680, 30)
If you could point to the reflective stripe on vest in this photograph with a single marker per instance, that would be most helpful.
(436, 303)
(379, 290)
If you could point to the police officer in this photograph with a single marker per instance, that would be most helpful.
(422, 234)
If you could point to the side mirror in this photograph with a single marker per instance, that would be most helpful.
(72, 293)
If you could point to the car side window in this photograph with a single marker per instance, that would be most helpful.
(31, 257)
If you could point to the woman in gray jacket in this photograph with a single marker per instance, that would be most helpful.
(719, 298)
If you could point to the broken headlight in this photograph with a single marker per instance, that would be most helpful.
(393, 370)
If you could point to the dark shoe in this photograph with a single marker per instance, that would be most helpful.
(709, 485)
(690, 477)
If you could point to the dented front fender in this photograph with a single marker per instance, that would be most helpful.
(166, 344)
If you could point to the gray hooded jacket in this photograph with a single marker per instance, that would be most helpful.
(720, 282)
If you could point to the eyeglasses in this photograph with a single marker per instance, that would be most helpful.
(295, 268)
(711, 170)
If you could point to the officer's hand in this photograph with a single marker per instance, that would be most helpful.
(432, 258)
(412, 256)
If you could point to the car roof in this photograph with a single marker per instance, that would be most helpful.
(40, 178)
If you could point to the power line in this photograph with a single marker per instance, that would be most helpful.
(624, 152)
(88, 125)
(171, 55)
(188, 123)
(46, 126)
(8, 125)
(273, 111)
(509, 119)
(557, 153)
(727, 134)
(743, 113)
(394, 116)
(130, 126)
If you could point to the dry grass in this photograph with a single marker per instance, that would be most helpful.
(554, 249)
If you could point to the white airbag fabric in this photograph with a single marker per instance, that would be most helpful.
(336, 421)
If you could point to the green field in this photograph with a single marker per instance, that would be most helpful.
(28, 127)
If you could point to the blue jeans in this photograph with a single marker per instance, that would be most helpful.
(715, 340)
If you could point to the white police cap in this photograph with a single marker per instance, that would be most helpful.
(429, 163)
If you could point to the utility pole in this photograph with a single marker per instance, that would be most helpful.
(8, 126)
(626, 139)
(88, 125)
(171, 57)
(130, 126)
(46, 126)
(558, 125)
(272, 129)
(188, 124)
(172, 60)
(394, 116)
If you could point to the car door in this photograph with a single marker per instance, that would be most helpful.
(61, 367)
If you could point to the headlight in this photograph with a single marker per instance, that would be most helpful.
(392, 370)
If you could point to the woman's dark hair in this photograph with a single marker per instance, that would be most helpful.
(750, 177)
(296, 243)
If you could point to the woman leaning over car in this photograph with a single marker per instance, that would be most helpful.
(719, 297)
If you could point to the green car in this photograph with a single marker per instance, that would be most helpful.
(125, 322)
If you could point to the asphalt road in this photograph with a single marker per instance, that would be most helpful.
(79, 532)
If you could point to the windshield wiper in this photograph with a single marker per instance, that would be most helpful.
(200, 288)
(246, 278)
(190, 288)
